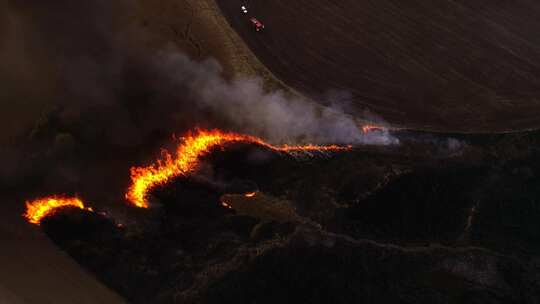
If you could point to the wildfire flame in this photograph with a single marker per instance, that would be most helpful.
(195, 145)
(250, 194)
(369, 128)
(38, 209)
(224, 204)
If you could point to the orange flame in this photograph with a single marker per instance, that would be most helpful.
(369, 128)
(38, 209)
(144, 179)
(224, 204)
(250, 194)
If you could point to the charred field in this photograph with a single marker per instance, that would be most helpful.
(372, 224)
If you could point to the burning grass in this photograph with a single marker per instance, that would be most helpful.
(41, 208)
(195, 145)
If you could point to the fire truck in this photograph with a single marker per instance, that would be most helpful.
(259, 26)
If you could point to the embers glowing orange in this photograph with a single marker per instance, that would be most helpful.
(144, 179)
(369, 128)
(226, 205)
(38, 209)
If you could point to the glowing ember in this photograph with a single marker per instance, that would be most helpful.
(39, 209)
(369, 128)
(224, 204)
(250, 194)
(144, 179)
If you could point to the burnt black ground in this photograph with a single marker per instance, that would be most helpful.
(468, 66)
(415, 223)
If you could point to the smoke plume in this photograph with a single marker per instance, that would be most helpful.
(94, 70)
(243, 103)
(80, 78)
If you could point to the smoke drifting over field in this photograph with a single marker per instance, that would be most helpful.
(91, 62)
(244, 104)
(96, 81)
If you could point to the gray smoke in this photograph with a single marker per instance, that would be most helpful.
(248, 108)
(79, 82)
(94, 70)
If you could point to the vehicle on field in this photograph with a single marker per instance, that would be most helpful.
(259, 26)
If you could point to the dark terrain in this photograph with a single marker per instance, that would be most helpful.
(416, 223)
(438, 218)
(467, 66)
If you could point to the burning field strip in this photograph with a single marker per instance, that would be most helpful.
(183, 163)
(144, 179)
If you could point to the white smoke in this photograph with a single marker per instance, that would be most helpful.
(273, 115)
